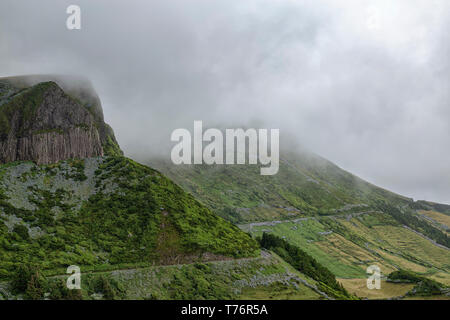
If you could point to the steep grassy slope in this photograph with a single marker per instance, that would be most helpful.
(305, 185)
(108, 211)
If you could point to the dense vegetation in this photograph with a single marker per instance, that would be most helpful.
(122, 213)
(29, 282)
(112, 213)
(304, 263)
(227, 279)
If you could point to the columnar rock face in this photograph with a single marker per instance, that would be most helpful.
(44, 124)
(52, 147)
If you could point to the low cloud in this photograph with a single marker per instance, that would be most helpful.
(362, 83)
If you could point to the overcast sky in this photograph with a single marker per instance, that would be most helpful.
(365, 84)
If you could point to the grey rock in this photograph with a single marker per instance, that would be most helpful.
(60, 129)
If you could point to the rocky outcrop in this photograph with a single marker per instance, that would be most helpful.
(44, 124)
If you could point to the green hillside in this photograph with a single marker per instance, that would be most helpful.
(105, 211)
(122, 223)
(306, 185)
(133, 233)
(344, 222)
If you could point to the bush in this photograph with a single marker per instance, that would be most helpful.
(28, 280)
(424, 287)
(59, 291)
(404, 276)
(22, 231)
(35, 287)
(110, 289)
(21, 277)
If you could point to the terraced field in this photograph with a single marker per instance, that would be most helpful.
(387, 290)
(347, 246)
(442, 219)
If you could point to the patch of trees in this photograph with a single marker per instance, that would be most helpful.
(29, 282)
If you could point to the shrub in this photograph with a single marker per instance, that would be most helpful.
(28, 280)
(59, 291)
(22, 231)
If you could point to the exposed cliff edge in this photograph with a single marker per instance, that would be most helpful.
(47, 119)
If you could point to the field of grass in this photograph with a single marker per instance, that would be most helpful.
(105, 211)
(346, 252)
(442, 277)
(390, 261)
(387, 289)
(414, 247)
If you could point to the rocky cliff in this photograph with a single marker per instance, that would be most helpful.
(41, 122)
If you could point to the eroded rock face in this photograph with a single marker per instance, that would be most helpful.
(45, 125)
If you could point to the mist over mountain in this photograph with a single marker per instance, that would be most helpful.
(364, 84)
